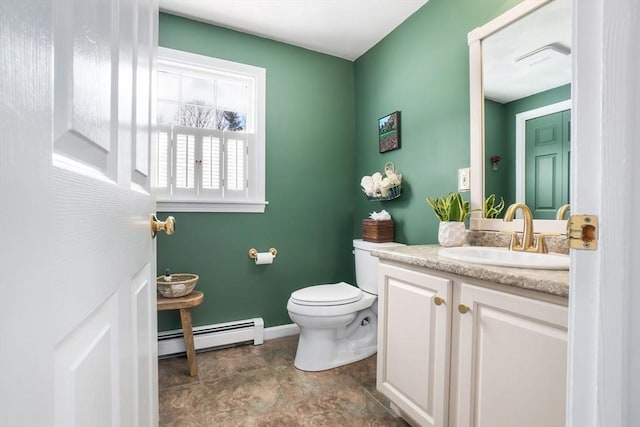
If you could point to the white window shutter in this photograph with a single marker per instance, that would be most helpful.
(211, 162)
(184, 163)
(161, 163)
(210, 165)
(235, 176)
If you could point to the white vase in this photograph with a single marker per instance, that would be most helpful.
(451, 233)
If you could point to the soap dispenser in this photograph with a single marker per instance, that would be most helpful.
(167, 275)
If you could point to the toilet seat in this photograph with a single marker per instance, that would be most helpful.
(327, 295)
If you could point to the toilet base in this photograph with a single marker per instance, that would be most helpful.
(322, 349)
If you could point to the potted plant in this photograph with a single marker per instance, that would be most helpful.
(452, 210)
(490, 209)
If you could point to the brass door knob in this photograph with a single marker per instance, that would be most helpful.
(168, 226)
(438, 300)
(462, 308)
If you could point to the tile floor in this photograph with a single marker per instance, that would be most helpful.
(258, 386)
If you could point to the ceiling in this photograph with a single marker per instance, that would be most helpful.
(349, 28)
(342, 28)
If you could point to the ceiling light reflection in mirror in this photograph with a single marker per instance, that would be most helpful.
(529, 56)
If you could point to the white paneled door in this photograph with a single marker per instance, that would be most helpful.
(77, 301)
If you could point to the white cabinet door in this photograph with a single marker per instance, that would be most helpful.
(511, 367)
(413, 343)
(78, 303)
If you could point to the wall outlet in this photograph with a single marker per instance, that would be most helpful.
(464, 183)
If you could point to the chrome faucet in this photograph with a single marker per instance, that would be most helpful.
(527, 231)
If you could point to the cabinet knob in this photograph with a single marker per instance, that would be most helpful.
(438, 300)
(462, 308)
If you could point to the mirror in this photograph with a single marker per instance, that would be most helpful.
(520, 69)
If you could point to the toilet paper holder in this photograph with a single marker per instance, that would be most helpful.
(253, 252)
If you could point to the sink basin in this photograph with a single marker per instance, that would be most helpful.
(503, 257)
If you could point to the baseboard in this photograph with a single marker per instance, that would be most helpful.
(281, 331)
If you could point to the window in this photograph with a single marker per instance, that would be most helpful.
(209, 155)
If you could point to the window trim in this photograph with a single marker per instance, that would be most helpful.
(257, 174)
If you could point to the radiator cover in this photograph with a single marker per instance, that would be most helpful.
(211, 336)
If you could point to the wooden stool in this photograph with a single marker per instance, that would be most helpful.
(184, 304)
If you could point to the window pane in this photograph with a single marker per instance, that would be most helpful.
(230, 120)
(197, 116)
(235, 164)
(231, 95)
(168, 112)
(168, 86)
(185, 160)
(210, 163)
(162, 159)
(197, 91)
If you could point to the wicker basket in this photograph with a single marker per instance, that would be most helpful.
(377, 231)
(391, 192)
(181, 284)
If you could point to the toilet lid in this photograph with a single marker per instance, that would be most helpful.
(335, 294)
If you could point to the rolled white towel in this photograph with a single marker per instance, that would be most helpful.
(377, 179)
(367, 185)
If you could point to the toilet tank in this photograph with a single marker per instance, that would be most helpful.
(367, 264)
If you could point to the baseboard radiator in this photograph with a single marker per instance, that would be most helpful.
(211, 336)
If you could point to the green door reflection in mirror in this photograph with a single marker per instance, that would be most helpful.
(547, 163)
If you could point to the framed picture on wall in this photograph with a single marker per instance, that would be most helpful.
(389, 132)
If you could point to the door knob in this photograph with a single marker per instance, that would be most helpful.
(438, 300)
(463, 308)
(168, 226)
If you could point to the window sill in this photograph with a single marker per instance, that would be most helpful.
(227, 207)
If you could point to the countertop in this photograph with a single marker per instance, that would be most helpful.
(547, 281)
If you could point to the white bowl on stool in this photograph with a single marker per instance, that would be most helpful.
(338, 322)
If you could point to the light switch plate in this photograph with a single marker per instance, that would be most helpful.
(463, 180)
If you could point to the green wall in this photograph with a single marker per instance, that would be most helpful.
(500, 122)
(422, 70)
(496, 143)
(310, 158)
(322, 117)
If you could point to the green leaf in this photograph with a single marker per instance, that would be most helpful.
(451, 207)
(488, 203)
(490, 209)
(455, 210)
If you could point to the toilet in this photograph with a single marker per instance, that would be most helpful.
(338, 322)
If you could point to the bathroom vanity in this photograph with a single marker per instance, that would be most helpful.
(463, 344)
